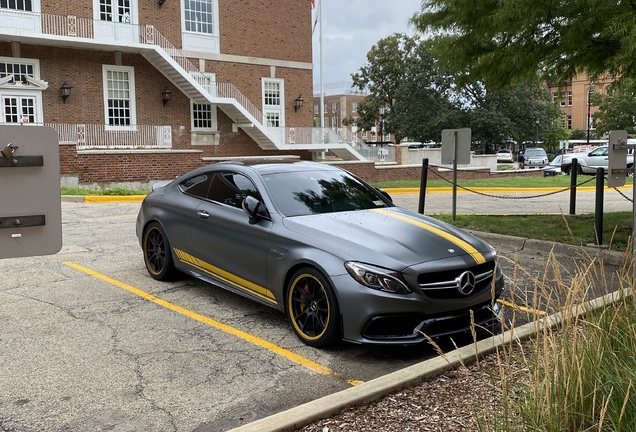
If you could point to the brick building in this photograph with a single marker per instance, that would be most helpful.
(141, 91)
(341, 101)
(573, 100)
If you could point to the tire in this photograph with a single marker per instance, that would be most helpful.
(312, 308)
(566, 170)
(157, 253)
(579, 170)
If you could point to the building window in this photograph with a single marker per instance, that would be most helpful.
(19, 109)
(119, 95)
(21, 5)
(201, 25)
(273, 102)
(554, 97)
(569, 98)
(119, 12)
(354, 107)
(315, 109)
(273, 119)
(569, 122)
(325, 121)
(334, 107)
(198, 15)
(19, 71)
(334, 122)
(203, 116)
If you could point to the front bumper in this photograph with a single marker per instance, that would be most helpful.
(376, 317)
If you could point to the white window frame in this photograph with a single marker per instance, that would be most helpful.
(32, 94)
(132, 98)
(278, 109)
(201, 41)
(35, 7)
(570, 98)
(213, 121)
(31, 89)
(354, 107)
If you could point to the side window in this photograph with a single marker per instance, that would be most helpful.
(231, 188)
(197, 186)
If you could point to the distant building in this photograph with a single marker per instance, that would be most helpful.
(341, 101)
(573, 101)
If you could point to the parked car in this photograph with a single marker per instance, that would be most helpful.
(535, 157)
(599, 158)
(565, 156)
(505, 155)
(321, 245)
(554, 168)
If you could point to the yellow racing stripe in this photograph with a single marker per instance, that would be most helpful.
(233, 280)
(477, 256)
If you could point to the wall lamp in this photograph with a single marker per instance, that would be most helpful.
(298, 103)
(166, 94)
(66, 91)
(161, 2)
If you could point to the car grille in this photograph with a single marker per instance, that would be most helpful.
(414, 326)
(445, 284)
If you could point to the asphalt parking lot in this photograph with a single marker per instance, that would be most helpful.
(90, 342)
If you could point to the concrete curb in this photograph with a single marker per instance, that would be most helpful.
(605, 256)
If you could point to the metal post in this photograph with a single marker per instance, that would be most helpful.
(423, 180)
(598, 207)
(454, 214)
(589, 106)
(574, 170)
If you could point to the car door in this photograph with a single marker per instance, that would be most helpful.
(598, 158)
(231, 248)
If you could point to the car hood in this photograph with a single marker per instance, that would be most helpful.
(404, 236)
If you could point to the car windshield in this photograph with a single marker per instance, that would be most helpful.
(314, 192)
(535, 153)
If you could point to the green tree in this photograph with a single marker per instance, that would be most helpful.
(400, 74)
(496, 115)
(500, 42)
(617, 109)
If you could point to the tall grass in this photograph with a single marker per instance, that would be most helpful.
(578, 373)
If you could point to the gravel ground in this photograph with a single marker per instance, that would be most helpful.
(447, 403)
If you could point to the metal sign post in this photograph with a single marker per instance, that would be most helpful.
(456, 150)
(30, 202)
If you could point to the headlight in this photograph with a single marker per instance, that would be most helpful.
(377, 277)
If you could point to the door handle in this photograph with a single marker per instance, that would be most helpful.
(203, 214)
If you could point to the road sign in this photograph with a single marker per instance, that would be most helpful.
(30, 202)
(456, 140)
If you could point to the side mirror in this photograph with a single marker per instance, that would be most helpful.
(385, 194)
(251, 207)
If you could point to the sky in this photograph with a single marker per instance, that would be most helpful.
(350, 28)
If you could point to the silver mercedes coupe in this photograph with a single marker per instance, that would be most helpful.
(324, 247)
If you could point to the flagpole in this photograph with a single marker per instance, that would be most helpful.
(322, 94)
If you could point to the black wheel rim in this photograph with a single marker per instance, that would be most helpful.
(155, 251)
(309, 307)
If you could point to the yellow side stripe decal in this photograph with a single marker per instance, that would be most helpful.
(310, 364)
(236, 281)
(477, 256)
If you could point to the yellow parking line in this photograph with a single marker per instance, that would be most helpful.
(521, 308)
(310, 364)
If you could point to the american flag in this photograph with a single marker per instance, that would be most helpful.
(313, 4)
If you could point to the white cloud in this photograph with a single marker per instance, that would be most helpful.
(351, 27)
